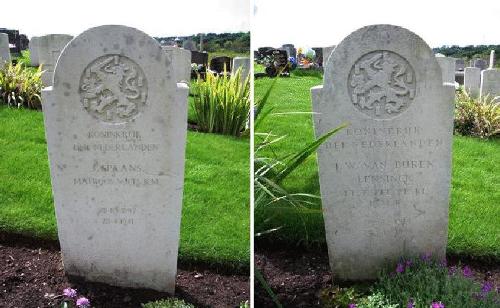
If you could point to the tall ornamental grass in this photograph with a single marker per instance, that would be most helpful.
(478, 117)
(222, 103)
(20, 86)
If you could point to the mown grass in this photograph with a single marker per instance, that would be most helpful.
(215, 217)
(474, 226)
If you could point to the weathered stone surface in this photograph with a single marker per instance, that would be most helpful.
(480, 63)
(492, 59)
(244, 64)
(33, 47)
(472, 81)
(459, 65)
(447, 68)
(49, 49)
(182, 58)
(4, 48)
(385, 179)
(490, 82)
(115, 123)
(327, 51)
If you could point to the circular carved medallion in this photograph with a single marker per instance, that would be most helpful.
(382, 84)
(113, 89)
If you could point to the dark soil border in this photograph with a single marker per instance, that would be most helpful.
(32, 275)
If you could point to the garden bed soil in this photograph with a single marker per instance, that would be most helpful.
(32, 275)
(297, 276)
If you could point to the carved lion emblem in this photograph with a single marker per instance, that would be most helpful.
(113, 89)
(382, 84)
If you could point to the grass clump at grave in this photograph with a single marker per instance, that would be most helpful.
(168, 303)
(20, 86)
(215, 217)
(221, 104)
(475, 193)
(416, 283)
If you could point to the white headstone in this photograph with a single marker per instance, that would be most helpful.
(49, 49)
(490, 82)
(480, 63)
(4, 48)
(115, 123)
(33, 47)
(492, 59)
(385, 179)
(244, 63)
(472, 81)
(447, 68)
(182, 58)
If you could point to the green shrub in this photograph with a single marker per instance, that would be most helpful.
(168, 303)
(422, 281)
(20, 86)
(477, 117)
(24, 58)
(222, 103)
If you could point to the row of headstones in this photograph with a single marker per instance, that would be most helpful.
(45, 50)
(477, 82)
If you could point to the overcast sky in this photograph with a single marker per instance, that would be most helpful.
(319, 23)
(155, 17)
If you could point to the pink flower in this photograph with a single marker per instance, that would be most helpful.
(351, 306)
(83, 302)
(411, 303)
(426, 257)
(68, 292)
(467, 271)
(408, 263)
(437, 305)
(443, 262)
(487, 287)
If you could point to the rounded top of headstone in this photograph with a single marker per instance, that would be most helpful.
(381, 70)
(113, 72)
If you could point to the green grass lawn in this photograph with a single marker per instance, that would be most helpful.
(215, 218)
(474, 226)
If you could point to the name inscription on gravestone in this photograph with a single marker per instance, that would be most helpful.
(116, 129)
(385, 177)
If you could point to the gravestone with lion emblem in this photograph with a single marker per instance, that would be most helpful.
(385, 178)
(115, 123)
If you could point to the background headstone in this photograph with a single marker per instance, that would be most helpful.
(472, 81)
(182, 58)
(49, 48)
(385, 179)
(244, 63)
(318, 57)
(459, 65)
(490, 82)
(115, 122)
(189, 45)
(492, 59)
(220, 64)
(4, 48)
(33, 47)
(447, 68)
(480, 63)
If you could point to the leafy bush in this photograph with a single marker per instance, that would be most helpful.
(421, 282)
(168, 303)
(222, 103)
(20, 86)
(24, 58)
(477, 117)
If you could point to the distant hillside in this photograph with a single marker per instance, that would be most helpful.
(469, 52)
(237, 42)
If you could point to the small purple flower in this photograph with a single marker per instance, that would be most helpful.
(69, 292)
(426, 257)
(443, 262)
(467, 271)
(437, 305)
(351, 306)
(487, 287)
(411, 303)
(452, 270)
(408, 263)
(400, 268)
(83, 302)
